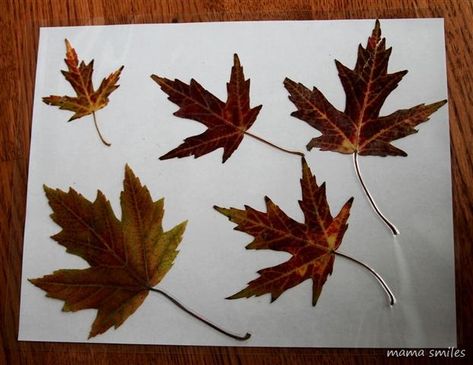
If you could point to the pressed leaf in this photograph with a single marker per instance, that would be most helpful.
(226, 122)
(359, 128)
(127, 257)
(312, 244)
(87, 100)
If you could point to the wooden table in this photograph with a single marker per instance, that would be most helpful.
(19, 26)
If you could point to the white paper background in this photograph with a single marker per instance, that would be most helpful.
(414, 192)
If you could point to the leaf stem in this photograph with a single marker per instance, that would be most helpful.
(188, 311)
(98, 131)
(386, 221)
(392, 298)
(273, 145)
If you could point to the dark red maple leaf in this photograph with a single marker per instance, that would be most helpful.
(312, 244)
(360, 129)
(227, 122)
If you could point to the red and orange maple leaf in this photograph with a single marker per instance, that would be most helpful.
(227, 122)
(88, 100)
(312, 244)
(127, 258)
(360, 129)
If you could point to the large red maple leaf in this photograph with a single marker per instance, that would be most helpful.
(227, 122)
(360, 129)
(312, 244)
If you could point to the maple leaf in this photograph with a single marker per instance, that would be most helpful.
(227, 122)
(127, 258)
(88, 100)
(312, 244)
(360, 129)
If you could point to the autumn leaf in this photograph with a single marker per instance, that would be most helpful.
(359, 129)
(127, 258)
(226, 122)
(88, 100)
(312, 244)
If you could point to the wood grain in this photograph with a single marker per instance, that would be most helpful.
(20, 22)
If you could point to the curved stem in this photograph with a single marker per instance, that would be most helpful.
(188, 311)
(392, 298)
(273, 145)
(391, 226)
(98, 131)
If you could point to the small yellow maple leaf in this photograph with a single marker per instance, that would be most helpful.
(88, 100)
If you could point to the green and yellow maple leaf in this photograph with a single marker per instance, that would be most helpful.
(127, 257)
